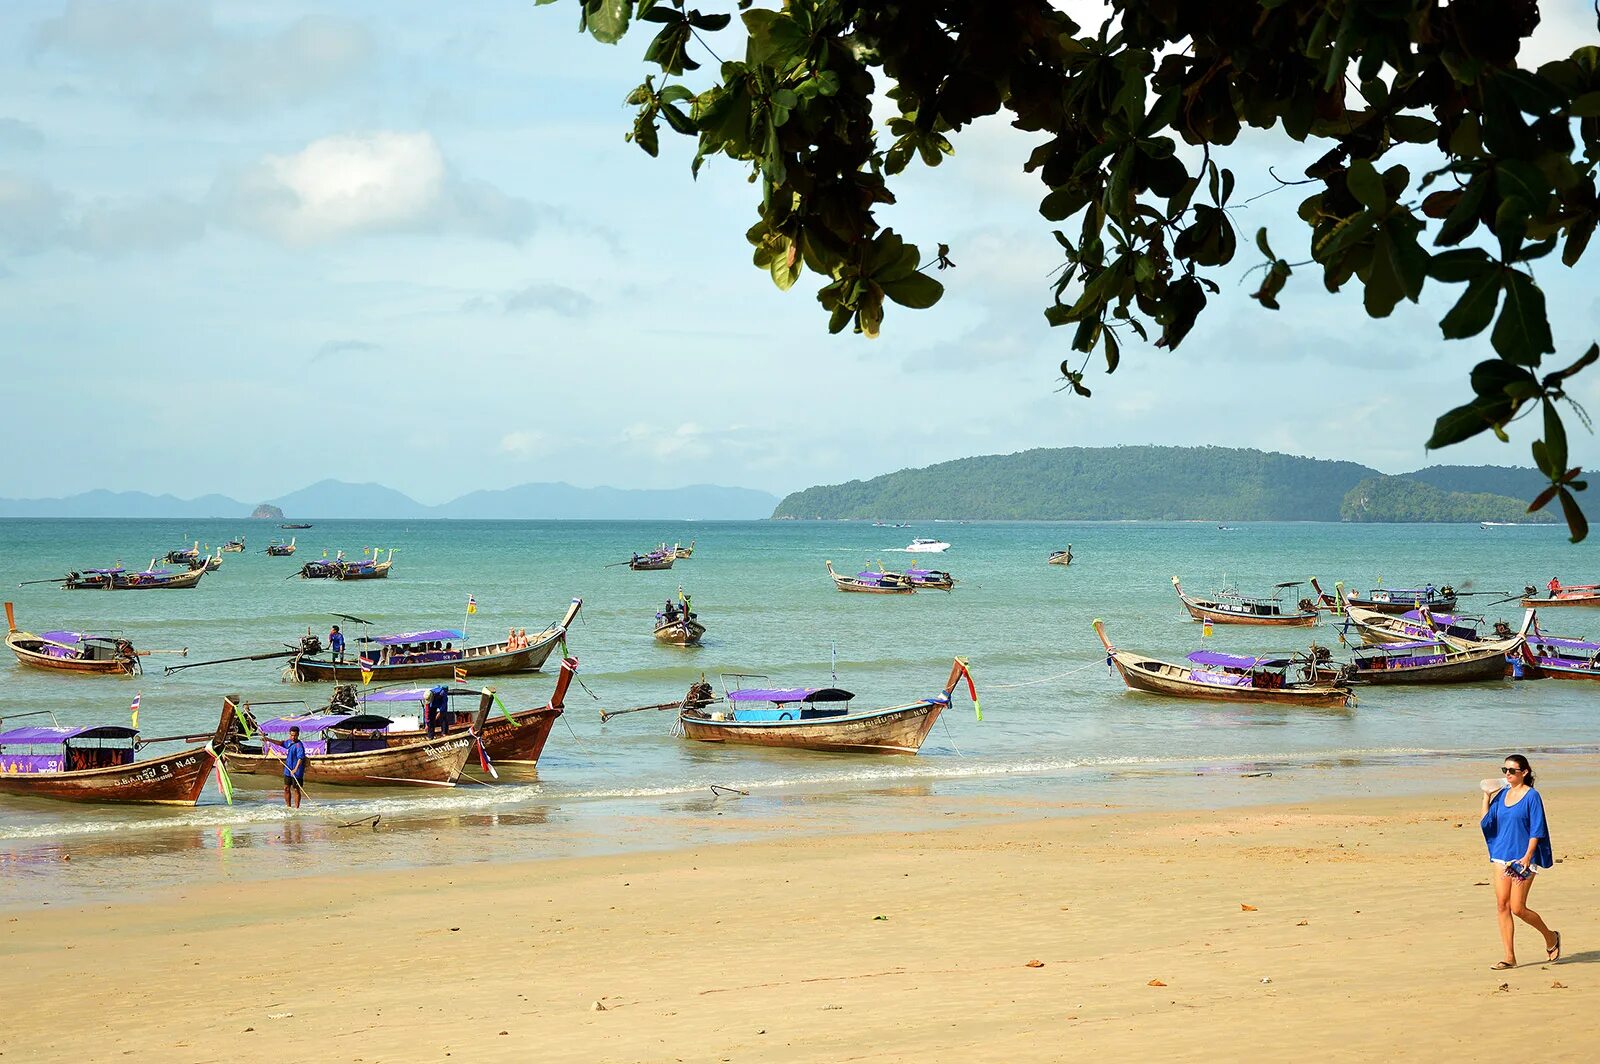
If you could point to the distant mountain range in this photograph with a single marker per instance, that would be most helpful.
(333, 499)
(1174, 484)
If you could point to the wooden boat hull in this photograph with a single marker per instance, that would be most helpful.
(1569, 600)
(1438, 606)
(1473, 666)
(530, 658)
(844, 584)
(644, 566)
(679, 634)
(130, 582)
(29, 651)
(377, 572)
(1156, 677)
(507, 744)
(1060, 559)
(901, 730)
(174, 779)
(432, 762)
(1202, 610)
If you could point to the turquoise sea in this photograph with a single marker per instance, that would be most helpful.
(1053, 714)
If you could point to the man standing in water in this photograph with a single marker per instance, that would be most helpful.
(294, 770)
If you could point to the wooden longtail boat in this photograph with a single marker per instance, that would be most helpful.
(1325, 602)
(872, 583)
(1409, 627)
(348, 749)
(678, 624)
(365, 568)
(660, 558)
(923, 579)
(514, 739)
(1216, 677)
(187, 556)
(60, 763)
(1061, 557)
(211, 564)
(1230, 607)
(1429, 662)
(120, 579)
(280, 550)
(683, 552)
(234, 546)
(1403, 600)
(390, 661)
(1561, 595)
(74, 651)
(805, 719)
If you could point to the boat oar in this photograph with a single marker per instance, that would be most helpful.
(182, 652)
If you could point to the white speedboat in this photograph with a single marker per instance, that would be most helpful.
(927, 546)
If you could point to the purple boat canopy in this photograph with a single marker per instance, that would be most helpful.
(1234, 661)
(1549, 641)
(441, 634)
(1442, 618)
(790, 694)
(70, 639)
(1380, 648)
(104, 572)
(315, 722)
(42, 734)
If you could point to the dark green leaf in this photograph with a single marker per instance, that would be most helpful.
(1577, 524)
(1474, 310)
(1522, 334)
(1366, 185)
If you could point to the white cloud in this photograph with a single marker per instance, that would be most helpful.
(359, 183)
(522, 444)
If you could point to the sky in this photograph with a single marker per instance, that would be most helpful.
(248, 245)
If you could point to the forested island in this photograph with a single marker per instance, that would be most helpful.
(1173, 484)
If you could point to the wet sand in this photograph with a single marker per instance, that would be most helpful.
(1369, 930)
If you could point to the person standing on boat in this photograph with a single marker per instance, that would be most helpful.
(1554, 585)
(336, 643)
(294, 770)
(1519, 845)
(438, 706)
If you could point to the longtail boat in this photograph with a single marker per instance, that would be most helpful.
(75, 651)
(187, 556)
(1217, 677)
(923, 579)
(353, 749)
(517, 737)
(871, 582)
(319, 568)
(1429, 661)
(234, 546)
(1559, 594)
(681, 552)
(119, 579)
(660, 558)
(1558, 657)
(808, 718)
(1061, 557)
(277, 549)
(425, 655)
(1408, 627)
(1325, 602)
(1402, 600)
(295, 524)
(1230, 607)
(95, 763)
(364, 568)
(211, 564)
(678, 624)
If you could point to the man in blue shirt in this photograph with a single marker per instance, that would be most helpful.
(336, 643)
(294, 770)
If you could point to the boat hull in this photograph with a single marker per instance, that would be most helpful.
(34, 659)
(432, 762)
(679, 634)
(1474, 666)
(132, 582)
(508, 744)
(1202, 610)
(1157, 677)
(499, 662)
(1570, 600)
(173, 779)
(651, 566)
(887, 731)
(1442, 605)
(1060, 559)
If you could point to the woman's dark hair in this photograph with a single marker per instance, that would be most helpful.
(1527, 769)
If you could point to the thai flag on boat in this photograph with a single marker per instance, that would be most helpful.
(461, 674)
(134, 709)
(366, 662)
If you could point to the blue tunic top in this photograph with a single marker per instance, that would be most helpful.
(1508, 829)
(294, 760)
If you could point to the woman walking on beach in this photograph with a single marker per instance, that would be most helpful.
(1519, 845)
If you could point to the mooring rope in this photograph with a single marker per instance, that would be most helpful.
(1043, 679)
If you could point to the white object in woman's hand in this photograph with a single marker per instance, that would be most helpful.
(1489, 786)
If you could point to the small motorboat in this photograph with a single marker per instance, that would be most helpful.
(927, 546)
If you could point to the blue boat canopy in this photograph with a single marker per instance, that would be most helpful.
(1234, 661)
(790, 694)
(44, 734)
(440, 634)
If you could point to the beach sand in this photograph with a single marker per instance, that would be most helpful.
(1321, 930)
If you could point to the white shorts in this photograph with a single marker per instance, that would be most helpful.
(1535, 868)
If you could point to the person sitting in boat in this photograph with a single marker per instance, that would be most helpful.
(336, 643)
(670, 614)
(522, 638)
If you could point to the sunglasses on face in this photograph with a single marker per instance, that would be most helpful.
(1510, 770)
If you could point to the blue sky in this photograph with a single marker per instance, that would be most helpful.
(244, 246)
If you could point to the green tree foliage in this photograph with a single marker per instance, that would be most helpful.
(1405, 499)
(1511, 181)
(1128, 484)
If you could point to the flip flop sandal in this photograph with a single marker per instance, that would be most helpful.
(1554, 952)
(1500, 966)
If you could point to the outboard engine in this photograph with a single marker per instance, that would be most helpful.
(344, 697)
(1502, 630)
(310, 645)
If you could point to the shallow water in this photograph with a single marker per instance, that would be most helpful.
(1051, 711)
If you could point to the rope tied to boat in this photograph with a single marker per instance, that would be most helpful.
(1042, 679)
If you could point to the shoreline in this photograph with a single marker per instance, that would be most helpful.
(1334, 926)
